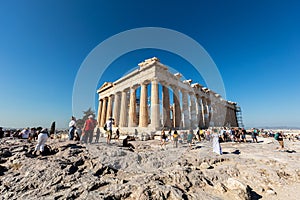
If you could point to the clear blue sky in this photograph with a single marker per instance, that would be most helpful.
(255, 45)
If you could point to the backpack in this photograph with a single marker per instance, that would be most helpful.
(276, 136)
(105, 127)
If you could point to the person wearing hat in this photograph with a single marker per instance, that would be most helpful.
(88, 129)
(42, 139)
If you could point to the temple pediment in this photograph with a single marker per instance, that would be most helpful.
(105, 86)
(148, 61)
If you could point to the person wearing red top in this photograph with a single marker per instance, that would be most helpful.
(88, 129)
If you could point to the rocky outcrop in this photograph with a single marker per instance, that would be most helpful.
(71, 170)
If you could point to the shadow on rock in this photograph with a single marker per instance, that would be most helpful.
(290, 151)
(105, 170)
(2, 170)
(254, 195)
(237, 152)
(48, 151)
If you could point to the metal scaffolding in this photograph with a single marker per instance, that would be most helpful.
(239, 117)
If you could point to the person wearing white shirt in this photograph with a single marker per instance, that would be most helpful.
(72, 128)
(42, 139)
(25, 133)
(109, 124)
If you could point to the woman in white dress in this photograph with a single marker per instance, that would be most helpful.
(215, 142)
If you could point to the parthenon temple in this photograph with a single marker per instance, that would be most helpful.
(151, 98)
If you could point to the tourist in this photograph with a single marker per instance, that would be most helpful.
(216, 144)
(163, 138)
(170, 133)
(181, 135)
(175, 138)
(24, 134)
(88, 129)
(198, 135)
(244, 135)
(202, 134)
(127, 144)
(190, 138)
(232, 134)
(207, 134)
(224, 134)
(1, 132)
(31, 134)
(42, 139)
(109, 124)
(72, 128)
(117, 137)
(97, 134)
(254, 135)
(77, 133)
(280, 140)
(238, 135)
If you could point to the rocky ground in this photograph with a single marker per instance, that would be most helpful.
(101, 171)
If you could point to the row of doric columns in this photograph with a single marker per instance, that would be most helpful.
(190, 111)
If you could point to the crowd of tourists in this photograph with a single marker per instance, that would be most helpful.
(91, 130)
(220, 135)
(39, 135)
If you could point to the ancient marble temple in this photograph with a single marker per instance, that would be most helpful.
(151, 98)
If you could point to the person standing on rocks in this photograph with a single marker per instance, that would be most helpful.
(190, 138)
(72, 128)
(109, 124)
(175, 138)
(280, 140)
(117, 135)
(254, 135)
(216, 144)
(198, 135)
(244, 135)
(97, 134)
(42, 139)
(163, 138)
(88, 128)
(78, 133)
(1, 133)
(24, 134)
(127, 144)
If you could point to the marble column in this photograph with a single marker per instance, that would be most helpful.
(205, 114)
(200, 112)
(143, 118)
(132, 108)
(185, 110)
(193, 104)
(116, 114)
(103, 113)
(166, 107)
(109, 107)
(176, 108)
(124, 105)
(209, 113)
(99, 111)
(155, 113)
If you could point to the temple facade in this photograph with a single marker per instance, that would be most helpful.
(151, 98)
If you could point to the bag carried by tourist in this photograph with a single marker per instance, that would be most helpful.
(105, 127)
(276, 136)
